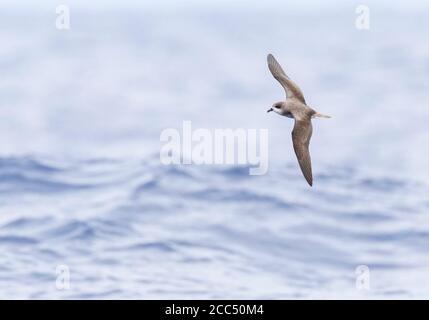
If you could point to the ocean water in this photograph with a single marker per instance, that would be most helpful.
(82, 186)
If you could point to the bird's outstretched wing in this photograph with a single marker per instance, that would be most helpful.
(292, 90)
(301, 135)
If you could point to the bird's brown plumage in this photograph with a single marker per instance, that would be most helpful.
(291, 88)
(301, 135)
(302, 131)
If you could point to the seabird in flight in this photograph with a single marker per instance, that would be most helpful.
(295, 107)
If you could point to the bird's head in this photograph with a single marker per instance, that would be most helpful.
(277, 108)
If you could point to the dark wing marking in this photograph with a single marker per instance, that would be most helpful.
(301, 135)
(292, 90)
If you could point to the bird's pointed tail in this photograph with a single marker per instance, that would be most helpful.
(319, 115)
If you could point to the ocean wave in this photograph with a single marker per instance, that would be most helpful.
(186, 221)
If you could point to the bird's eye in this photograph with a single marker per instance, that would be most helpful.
(277, 107)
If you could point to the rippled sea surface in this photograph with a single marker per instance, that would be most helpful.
(82, 186)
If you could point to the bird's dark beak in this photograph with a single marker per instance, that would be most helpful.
(269, 110)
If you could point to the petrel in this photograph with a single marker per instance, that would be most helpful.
(295, 107)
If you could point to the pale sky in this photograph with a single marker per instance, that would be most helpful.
(174, 4)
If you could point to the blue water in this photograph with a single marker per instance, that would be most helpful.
(81, 183)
